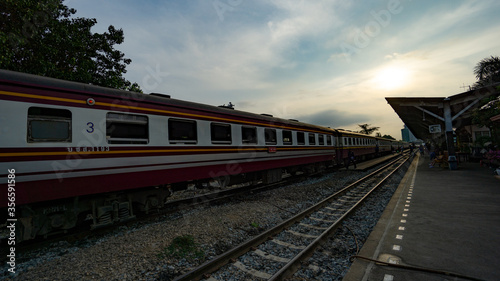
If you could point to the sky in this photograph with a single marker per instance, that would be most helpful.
(329, 63)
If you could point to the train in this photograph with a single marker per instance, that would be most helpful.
(77, 154)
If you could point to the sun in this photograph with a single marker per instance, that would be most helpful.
(391, 78)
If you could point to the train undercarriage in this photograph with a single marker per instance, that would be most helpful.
(41, 220)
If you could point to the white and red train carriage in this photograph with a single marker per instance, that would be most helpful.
(82, 152)
(363, 146)
(87, 154)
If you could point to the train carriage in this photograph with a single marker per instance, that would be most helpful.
(87, 153)
(363, 146)
(385, 145)
(83, 154)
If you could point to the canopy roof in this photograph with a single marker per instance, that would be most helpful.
(422, 114)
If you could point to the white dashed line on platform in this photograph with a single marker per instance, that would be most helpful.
(388, 277)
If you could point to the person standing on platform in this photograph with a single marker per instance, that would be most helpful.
(351, 158)
(432, 156)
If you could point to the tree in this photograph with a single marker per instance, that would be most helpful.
(388, 137)
(487, 72)
(481, 116)
(41, 37)
(366, 129)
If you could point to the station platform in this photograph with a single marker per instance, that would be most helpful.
(439, 225)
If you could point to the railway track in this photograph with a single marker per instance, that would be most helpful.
(279, 252)
(215, 197)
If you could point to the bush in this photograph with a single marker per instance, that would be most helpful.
(183, 247)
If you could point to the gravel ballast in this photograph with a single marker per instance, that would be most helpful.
(137, 252)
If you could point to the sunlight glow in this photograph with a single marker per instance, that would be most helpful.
(391, 78)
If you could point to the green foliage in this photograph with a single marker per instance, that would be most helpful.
(254, 224)
(490, 107)
(366, 129)
(388, 137)
(482, 140)
(42, 37)
(487, 71)
(183, 247)
(481, 116)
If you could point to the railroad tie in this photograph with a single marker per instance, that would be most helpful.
(251, 271)
(321, 220)
(302, 234)
(271, 257)
(313, 226)
(328, 214)
(285, 244)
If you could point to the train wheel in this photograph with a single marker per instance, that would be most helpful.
(223, 181)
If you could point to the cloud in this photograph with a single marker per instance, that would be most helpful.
(286, 58)
(334, 118)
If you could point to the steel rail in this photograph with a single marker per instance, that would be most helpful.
(290, 268)
(213, 265)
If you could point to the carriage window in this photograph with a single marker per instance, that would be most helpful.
(270, 136)
(287, 137)
(49, 125)
(329, 140)
(221, 133)
(301, 139)
(126, 128)
(249, 134)
(321, 139)
(182, 131)
(312, 139)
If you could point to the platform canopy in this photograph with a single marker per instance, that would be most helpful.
(430, 117)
